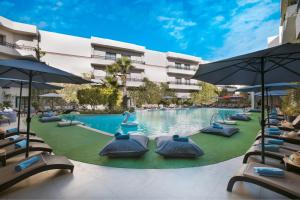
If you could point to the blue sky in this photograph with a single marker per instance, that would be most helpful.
(211, 29)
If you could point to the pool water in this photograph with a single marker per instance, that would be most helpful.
(156, 122)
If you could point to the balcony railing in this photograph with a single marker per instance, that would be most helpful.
(115, 58)
(182, 83)
(127, 79)
(135, 79)
(182, 68)
(16, 46)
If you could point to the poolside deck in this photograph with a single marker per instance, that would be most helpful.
(92, 181)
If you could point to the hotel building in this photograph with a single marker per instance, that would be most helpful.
(289, 29)
(91, 55)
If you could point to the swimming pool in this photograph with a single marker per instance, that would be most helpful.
(156, 122)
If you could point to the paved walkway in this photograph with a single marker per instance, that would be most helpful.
(98, 182)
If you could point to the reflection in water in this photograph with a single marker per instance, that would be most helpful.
(164, 122)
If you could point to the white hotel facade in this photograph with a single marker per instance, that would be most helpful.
(91, 55)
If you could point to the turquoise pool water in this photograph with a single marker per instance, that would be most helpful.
(158, 122)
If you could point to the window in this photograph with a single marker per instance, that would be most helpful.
(2, 39)
(126, 55)
(188, 82)
(177, 80)
(110, 56)
(178, 65)
(187, 66)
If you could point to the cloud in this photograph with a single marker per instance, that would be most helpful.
(247, 30)
(176, 28)
(245, 2)
(218, 19)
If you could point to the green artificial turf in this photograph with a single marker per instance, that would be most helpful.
(84, 145)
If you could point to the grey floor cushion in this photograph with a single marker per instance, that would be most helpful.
(167, 147)
(50, 119)
(240, 117)
(135, 146)
(226, 131)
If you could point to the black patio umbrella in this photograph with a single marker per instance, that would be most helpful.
(7, 83)
(268, 89)
(272, 65)
(38, 72)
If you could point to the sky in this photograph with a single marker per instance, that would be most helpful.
(210, 29)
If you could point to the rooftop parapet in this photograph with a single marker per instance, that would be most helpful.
(117, 45)
(18, 27)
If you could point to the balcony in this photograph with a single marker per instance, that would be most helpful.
(134, 82)
(108, 60)
(130, 82)
(26, 49)
(184, 71)
(183, 85)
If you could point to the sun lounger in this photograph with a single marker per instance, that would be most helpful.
(7, 133)
(11, 150)
(256, 150)
(293, 140)
(288, 126)
(9, 141)
(284, 145)
(226, 131)
(10, 177)
(167, 147)
(288, 185)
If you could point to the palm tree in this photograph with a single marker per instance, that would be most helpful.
(120, 69)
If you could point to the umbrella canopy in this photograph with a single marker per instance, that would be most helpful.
(276, 64)
(4, 82)
(274, 93)
(52, 95)
(273, 65)
(35, 71)
(269, 87)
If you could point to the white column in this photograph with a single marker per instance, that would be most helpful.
(252, 99)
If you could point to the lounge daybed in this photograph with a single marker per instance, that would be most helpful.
(221, 130)
(50, 119)
(12, 132)
(126, 146)
(15, 139)
(170, 147)
(288, 185)
(13, 150)
(240, 117)
(10, 177)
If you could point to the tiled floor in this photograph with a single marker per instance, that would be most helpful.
(98, 182)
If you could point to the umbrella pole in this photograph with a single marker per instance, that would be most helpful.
(268, 109)
(20, 101)
(262, 67)
(28, 113)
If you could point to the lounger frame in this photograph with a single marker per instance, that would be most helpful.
(57, 162)
(241, 177)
